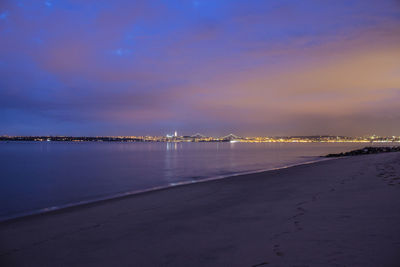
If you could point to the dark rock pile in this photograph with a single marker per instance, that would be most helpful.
(366, 150)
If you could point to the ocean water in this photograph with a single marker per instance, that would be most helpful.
(38, 176)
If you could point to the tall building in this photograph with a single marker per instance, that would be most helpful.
(176, 134)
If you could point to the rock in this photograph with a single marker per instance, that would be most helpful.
(366, 150)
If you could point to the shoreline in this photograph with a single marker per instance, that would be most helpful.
(331, 213)
(94, 201)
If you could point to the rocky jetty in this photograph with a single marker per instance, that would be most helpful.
(366, 150)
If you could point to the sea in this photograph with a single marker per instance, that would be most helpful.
(37, 177)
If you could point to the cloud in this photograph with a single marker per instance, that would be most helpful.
(4, 15)
(121, 52)
(263, 67)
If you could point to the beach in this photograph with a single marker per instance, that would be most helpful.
(339, 212)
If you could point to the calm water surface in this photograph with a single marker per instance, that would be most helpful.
(37, 175)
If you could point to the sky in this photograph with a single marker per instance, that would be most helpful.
(150, 67)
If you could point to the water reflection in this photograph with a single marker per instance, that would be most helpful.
(172, 146)
(43, 174)
(171, 164)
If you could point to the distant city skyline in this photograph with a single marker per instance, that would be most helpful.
(198, 137)
(150, 67)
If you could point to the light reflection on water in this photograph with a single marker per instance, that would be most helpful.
(37, 175)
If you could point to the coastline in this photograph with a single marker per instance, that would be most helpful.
(126, 194)
(342, 212)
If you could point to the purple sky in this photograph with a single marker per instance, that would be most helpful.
(252, 67)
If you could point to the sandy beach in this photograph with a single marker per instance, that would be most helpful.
(341, 212)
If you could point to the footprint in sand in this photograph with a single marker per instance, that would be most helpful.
(301, 209)
(277, 251)
(297, 224)
(260, 264)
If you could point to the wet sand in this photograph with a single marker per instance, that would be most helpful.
(342, 212)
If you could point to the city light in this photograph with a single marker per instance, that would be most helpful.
(202, 138)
